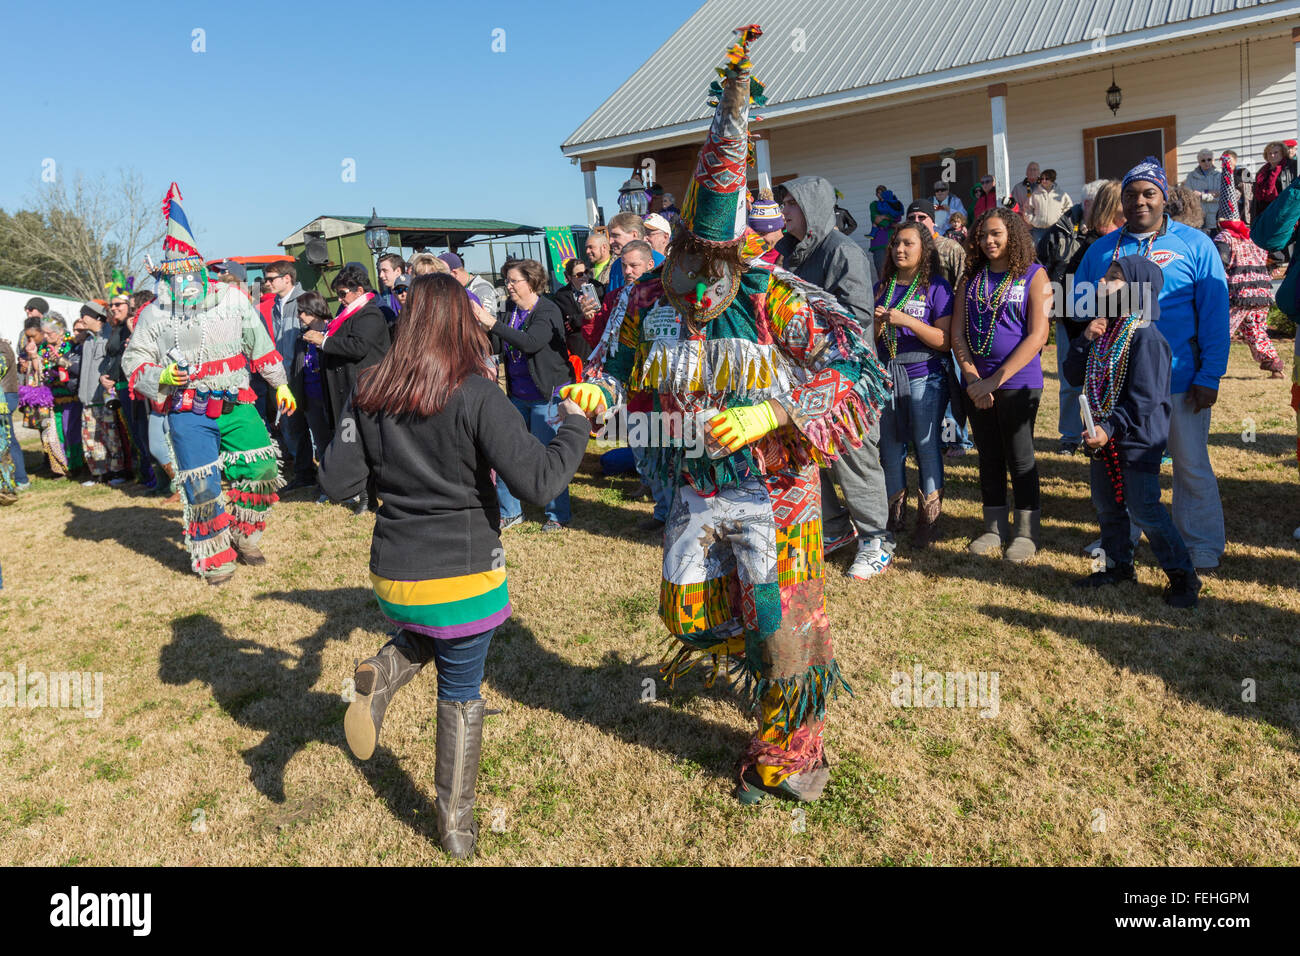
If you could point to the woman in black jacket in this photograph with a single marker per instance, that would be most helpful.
(536, 360)
(431, 424)
(356, 339)
(578, 274)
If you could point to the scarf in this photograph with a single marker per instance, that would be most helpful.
(337, 322)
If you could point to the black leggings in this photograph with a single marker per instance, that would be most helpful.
(1004, 438)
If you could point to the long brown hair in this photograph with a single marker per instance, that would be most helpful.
(1020, 244)
(929, 256)
(437, 344)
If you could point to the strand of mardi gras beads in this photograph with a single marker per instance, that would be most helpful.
(983, 305)
(1106, 372)
(890, 333)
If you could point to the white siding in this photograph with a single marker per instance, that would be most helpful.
(1045, 122)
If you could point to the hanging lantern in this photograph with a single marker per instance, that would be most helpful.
(632, 196)
(1113, 94)
(376, 234)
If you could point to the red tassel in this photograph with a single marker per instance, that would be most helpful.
(251, 498)
(245, 528)
(205, 528)
(218, 559)
(270, 358)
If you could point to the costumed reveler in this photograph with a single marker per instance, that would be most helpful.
(781, 378)
(195, 346)
(8, 485)
(48, 395)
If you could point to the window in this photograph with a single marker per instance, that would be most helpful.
(1111, 151)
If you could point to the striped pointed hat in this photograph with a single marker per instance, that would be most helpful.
(1227, 192)
(714, 210)
(179, 251)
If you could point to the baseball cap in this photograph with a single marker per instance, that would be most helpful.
(93, 308)
(37, 303)
(232, 268)
(453, 261)
(402, 282)
(658, 223)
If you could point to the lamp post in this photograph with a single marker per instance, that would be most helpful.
(376, 239)
(631, 196)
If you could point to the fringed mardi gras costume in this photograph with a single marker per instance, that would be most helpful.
(707, 330)
(215, 429)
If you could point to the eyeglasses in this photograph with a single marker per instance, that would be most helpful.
(516, 282)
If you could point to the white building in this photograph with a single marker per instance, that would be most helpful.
(12, 302)
(878, 92)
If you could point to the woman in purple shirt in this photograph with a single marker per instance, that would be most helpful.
(1000, 322)
(913, 314)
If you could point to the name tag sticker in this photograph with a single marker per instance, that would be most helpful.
(661, 324)
(1017, 292)
(915, 308)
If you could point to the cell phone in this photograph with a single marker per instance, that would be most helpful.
(589, 291)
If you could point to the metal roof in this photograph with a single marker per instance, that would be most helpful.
(419, 231)
(815, 48)
(404, 224)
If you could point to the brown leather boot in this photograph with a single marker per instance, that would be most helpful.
(897, 512)
(927, 519)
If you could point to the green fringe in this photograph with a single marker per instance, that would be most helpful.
(802, 696)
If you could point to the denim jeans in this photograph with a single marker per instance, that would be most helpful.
(1142, 506)
(460, 663)
(1197, 507)
(660, 490)
(928, 395)
(1068, 420)
(7, 423)
(158, 438)
(865, 507)
(535, 417)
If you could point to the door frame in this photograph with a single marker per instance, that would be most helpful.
(1166, 124)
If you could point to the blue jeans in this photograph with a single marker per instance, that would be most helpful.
(959, 436)
(927, 398)
(535, 417)
(460, 663)
(1142, 506)
(1198, 508)
(1069, 422)
(660, 490)
(158, 438)
(7, 423)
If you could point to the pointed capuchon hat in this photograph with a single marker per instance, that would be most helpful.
(179, 251)
(714, 210)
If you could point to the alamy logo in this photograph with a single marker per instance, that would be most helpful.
(103, 909)
(71, 690)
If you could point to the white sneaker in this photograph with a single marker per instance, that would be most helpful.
(89, 483)
(870, 561)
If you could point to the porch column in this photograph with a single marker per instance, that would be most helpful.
(1001, 162)
(763, 160)
(589, 184)
(1295, 41)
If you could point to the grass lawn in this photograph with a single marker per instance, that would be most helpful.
(1121, 737)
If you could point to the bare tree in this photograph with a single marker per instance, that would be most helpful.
(83, 231)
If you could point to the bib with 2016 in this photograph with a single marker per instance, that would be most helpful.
(662, 324)
(1017, 292)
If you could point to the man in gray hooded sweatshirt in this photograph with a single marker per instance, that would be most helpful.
(814, 250)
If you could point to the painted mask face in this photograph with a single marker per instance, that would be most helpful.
(687, 279)
(189, 288)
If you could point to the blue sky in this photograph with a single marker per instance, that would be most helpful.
(255, 130)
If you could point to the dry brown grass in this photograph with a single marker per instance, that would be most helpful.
(229, 701)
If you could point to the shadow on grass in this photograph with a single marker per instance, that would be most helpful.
(610, 696)
(149, 532)
(269, 690)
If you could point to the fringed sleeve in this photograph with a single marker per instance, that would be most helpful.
(841, 397)
(143, 361)
(258, 348)
(616, 362)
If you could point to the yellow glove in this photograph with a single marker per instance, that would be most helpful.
(284, 400)
(172, 375)
(737, 427)
(588, 397)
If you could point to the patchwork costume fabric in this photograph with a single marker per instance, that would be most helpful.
(215, 429)
(1250, 287)
(742, 580)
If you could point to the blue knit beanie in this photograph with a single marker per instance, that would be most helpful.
(1149, 170)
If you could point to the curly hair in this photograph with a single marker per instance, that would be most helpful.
(929, 255)
(1020, 244)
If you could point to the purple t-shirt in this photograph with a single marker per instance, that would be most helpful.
(933, 305)
(1010, 329)
(521, 383)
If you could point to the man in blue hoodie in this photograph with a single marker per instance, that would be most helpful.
(1194, 320)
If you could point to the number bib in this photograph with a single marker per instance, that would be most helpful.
(661, 324)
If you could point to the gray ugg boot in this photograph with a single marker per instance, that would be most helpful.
(996, 531)
(1025, 544)
(377, 679)
(460, 740)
